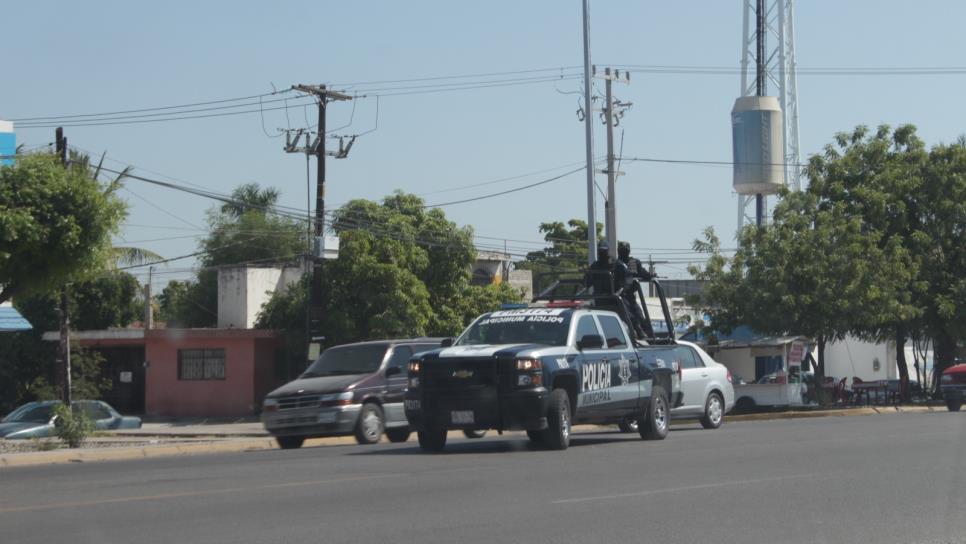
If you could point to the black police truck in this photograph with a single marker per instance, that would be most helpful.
(562, 360)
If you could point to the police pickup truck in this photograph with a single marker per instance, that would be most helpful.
(540, 369)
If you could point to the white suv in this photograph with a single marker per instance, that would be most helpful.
(706, 391)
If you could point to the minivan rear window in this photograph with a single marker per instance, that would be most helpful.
(364, 359)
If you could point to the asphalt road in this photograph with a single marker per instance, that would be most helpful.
(886, 479)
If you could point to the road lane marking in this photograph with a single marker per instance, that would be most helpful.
(211, 492)
(687, 488)
(162, 496)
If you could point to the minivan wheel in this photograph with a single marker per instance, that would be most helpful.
(370, 425)
(290, 442)
(398, 434)
(713, 412)
(432, 440)
(474, 434)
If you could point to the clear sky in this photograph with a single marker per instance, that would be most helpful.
(65, 58)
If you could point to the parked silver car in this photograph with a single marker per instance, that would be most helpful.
(37, 419)
(706, 390)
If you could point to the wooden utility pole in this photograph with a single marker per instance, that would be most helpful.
(316, 290)
(64, 310)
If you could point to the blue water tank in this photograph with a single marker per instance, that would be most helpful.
(8, 143)
(758, 145)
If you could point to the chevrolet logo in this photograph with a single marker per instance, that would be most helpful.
(462, 374)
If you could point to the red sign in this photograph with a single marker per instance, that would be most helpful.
(796, 353)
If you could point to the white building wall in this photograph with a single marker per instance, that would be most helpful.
(854, 357)
(243, 290)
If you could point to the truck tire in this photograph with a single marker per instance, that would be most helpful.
(398, 434)
(557, 435)
(370, 425)
(290, 442)
(713, 412)
(628, 425)
(654, 424)
(474, 434)
(954, 401)
(432, 440)
(536, 436)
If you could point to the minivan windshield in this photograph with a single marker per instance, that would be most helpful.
(530, 326)
(360, 359)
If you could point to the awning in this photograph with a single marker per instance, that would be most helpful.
(744, 337)
(11, 320)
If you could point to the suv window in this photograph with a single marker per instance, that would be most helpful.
(400, 356)
(688, 358)
(586, 325)
(613, 332)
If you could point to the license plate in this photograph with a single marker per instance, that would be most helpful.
(461, 417)
(327, 417)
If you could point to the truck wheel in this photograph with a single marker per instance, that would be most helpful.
(290, 442)
(398, 434)
(432, 440)
(713, 412)
(745, 404)
(954, 401)
(655, 425)
(536, 436)
(628, 425)
(370, 425)
(557, 435)
(474, 434)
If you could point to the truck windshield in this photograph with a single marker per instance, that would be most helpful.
(518, 327)
(364, 359)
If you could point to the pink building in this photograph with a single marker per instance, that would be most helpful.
(187, 372)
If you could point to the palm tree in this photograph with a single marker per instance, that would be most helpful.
(250, 197)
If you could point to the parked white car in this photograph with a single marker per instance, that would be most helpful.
(706, 390)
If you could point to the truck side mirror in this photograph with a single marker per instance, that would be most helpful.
(594, 341)
(447, 342)
(393, 370)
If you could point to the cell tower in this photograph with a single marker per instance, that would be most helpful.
(766, 161)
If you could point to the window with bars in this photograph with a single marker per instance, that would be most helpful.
(201, 364)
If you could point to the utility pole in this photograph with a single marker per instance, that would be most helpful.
(64, 310)
(316, 290)
(613, 111)
(589, 138)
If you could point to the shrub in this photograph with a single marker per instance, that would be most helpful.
(72, 427)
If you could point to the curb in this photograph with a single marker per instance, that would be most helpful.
(266, 443)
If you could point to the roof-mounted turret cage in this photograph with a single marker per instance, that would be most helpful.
(570, 288)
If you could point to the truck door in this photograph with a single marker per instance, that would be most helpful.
(594, 373)
(624, 370)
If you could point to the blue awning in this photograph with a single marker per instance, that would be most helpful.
(12, 321)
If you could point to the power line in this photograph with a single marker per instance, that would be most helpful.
(501, 193)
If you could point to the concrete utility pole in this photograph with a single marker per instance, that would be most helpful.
(64, 309)
(317, 148)
(589, 138)
(612, 113)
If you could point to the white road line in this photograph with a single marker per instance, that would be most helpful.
(690, 488)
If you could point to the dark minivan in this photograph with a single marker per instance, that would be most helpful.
(350, 389)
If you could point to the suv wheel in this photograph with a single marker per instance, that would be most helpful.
(474, 434)
(432, 440)
(290, 442)
(398, 434)
(655, 425)
(370, 425)
(713, 412)
(557, 435)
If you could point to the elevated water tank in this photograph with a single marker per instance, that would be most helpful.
(758, 145)
(8, 143)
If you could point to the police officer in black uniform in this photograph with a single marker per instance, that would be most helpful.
(635, 271)
(603, 271)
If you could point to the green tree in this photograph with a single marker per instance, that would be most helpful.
(815, 270)
(56, 224)
(567, 251)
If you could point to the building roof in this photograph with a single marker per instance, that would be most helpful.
(11, 320)
(744, 337)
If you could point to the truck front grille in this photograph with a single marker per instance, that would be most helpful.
(459, 373)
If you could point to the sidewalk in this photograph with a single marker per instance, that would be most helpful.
(196, 428)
